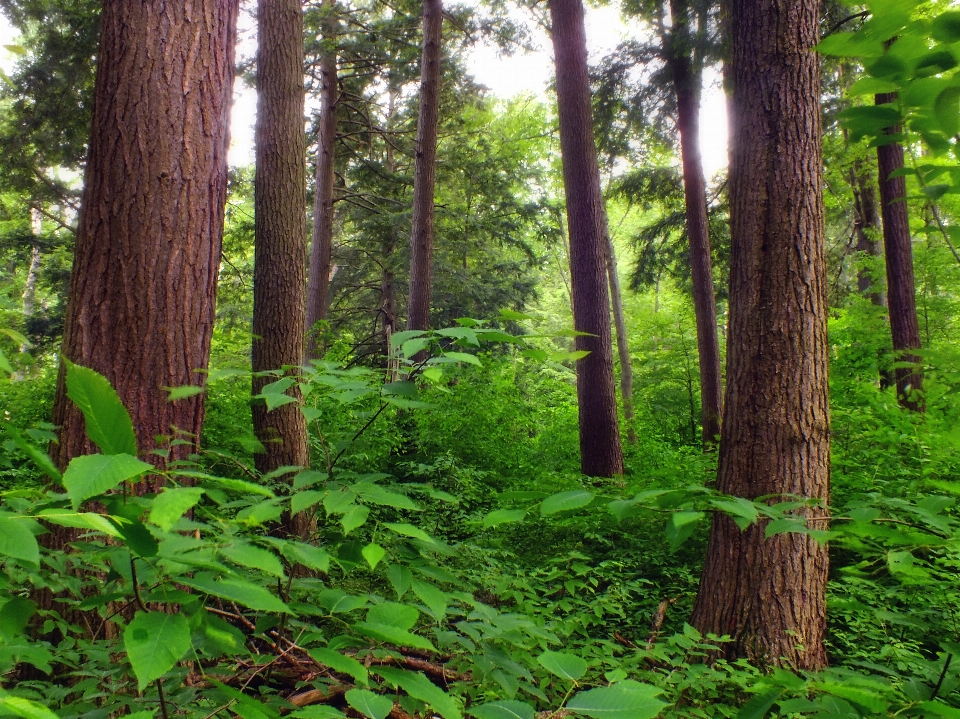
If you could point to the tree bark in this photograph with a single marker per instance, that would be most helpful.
(425, 165)
(279, 274)
(901, 292)
(601, 454)
(143, 286)
(321, 249)
(623, 349)
(388, 292)
(687, 78)
(868, 230)
(768, 593)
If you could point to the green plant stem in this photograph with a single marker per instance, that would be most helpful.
(163, 700)
(943, 675)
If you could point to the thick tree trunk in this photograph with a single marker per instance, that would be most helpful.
(768, 594)
(279, 274)
(623, 349)
(686, 82)
(321, 249)
(601, 454)
(425, 165)
(901, 292)
(147, 253)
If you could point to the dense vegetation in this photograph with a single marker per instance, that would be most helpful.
(443, 553)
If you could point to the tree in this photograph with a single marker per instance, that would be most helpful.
(601, 454)
(321, 248)
(425, 167)
(768, 593)
(142, 291)
(901, 292)
(279, 275)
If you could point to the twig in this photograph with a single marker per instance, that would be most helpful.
(657, 624)
(943, 674)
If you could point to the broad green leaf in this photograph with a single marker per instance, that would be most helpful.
(462, 334)
(246, 593)
(240, 486)
(24, 708)
(309, 556)
(80, 520)
(514, 316)
(305, 499)
(187, 390)
(503, 516)
(171, 504)
(941, 710)
(155, 642)
(400, 578)
(435, 599)
(681, 526)
(254, 557)
(340, 663)
(419, 687)
(355, 517)
(392, 635)
(567, 356)
(369, 704)
(408, 530)
(860, 695)
(137, 537)
(38, 456)
(463, 357)
(318, 711)
(107, 421)
(508, 709)
(93, 474)
(220, 637)
(5, 363)
(565, 501)
(398, 338)
(401, 616)
(946, 27)
(758, 707)
(742, 511)
(14, 616)
(373, 553)
(375, 494)
(627, 699)
(307, 478)
(411, 347)
(16, 539)
(339, 502)
(786, 524)
(336, 600)
(566, 666)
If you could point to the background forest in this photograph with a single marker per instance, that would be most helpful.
(429, 410)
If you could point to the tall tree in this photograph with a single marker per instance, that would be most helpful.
(321, 249)
(768, 593)
(425, 167)
(867, 221)
(901, 292)
(147, 252)
(623, 348)
(280, 254)
(601, 454)
(686, 68)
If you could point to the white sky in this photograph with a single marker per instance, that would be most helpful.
(507, 76)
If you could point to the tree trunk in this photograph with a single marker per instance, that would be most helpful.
(868, 230)
(901, 293)
(147, 252)
(686, 81)
(601, 454)
(768, 593)
(623, 349)
(279, 274)
(388, 292)
(29, 296)
(425, 165)
(321, 249)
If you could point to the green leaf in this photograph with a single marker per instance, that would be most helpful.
(411, 347)
(515, 316)
(309, 556)
(391, 634)
(375, 494)
(354, 518)
(509, 709)
(155, 642)
(14, 616)
(373, 553)
(400, 578)
(16, 539)
(946, 27)
(137, 537)
(941, 710)
(80, 520)
(401, 616)
(171, 504)
(462, 334)
(253, 557)
(108, 423)
(435, 599)
(246, 593)
(419, 687)
(24, 707)
(740, 510)
(503, 516)
(565, 501)
(38, 456)
(463, 357)
(187, 390)
(240, 486)
(369, 704)
(93, 474)
(786, 524)
(340, 663)
(398, 338)
(305, 499)
(758, 707)
(336, 600)
(318, 711)
(566, 666)
(681, 526)
(408, 530)
(626, 699)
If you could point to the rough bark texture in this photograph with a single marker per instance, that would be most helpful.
(425, 165)
(279, 275)
(601, 454)
(623, 349)
(147, 252)
(901, 292)
(321, 249)
(868, 231)
(687, 78)
(768, 594)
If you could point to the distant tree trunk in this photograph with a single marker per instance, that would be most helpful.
(901, 292)
(601, 454)
(321, 249)
(868, 230)
(769, 594)
(687, 79)
(279, 274)
(425, 166)
(623, 349)
(388, 292)
(29, 296)
(142, 291)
